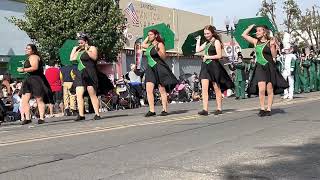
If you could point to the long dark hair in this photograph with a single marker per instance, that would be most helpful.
(34, 49)
(212, 29)
(266, 29)
(156, 33)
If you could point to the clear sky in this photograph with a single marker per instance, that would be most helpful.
(219, 9)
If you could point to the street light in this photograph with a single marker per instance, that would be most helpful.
(232, 28)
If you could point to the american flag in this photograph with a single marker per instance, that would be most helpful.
(130, 11)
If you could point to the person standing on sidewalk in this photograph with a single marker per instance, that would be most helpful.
(288, 72)
(297, 76)
(266, 77)
(240, 77)
(53, 76)
(69, 100)
(318, 70)
(313, 72)
(306, 73)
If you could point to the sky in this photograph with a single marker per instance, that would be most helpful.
(219, 9)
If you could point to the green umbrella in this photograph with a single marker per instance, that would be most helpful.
(165, 32)
(243, 25)
(65, 51)
(14, 63)
(189, 45)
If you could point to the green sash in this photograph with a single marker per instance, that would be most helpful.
(150, 60)
(259, 54)
(206, 52)
(80, 64)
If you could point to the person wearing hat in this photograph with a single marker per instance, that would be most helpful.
(266, 78)
(240, 77)
(288, 72)
(86, 77)
(305, 62)
(250, 68)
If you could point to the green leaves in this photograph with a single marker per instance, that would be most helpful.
(51, 22)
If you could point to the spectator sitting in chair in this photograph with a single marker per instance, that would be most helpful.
(135, 82)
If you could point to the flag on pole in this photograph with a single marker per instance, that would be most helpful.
(130, 11)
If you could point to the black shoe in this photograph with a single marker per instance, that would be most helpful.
(267, 113)
(80, 118)
(261, 113)
(96, 117)
(67, 112)
(237, 98)
(74, 113)
(150, 114)
(24, 122)
(217, 112)
(164, 113)
(203, 113)
(41, 121)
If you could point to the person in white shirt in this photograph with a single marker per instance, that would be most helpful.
(288, 72)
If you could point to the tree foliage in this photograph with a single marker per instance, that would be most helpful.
(50, 22)
(301, 24)
(268, 9)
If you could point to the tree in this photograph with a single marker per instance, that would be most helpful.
(306, 25)
(50, 22)
(303, 25)
(292, 13)
(268, 9)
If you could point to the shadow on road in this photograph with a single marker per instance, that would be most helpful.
(280, 162)
(225, 111)
(178, 112)
(278, 111)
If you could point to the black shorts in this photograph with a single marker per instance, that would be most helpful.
(57, 97)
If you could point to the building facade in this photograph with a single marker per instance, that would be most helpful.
(13, 40)
(180, 22)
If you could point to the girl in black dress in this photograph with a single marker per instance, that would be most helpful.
(35, 85)
(158, 73)
(86, 77)
(212, 71)
(266, 78)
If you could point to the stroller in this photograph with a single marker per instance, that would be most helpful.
(181, 93)
(125, 98)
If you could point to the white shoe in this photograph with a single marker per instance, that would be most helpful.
(142, 102)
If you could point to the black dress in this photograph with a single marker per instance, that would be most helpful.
(267, 73)
(37, 84)
(214, 71)
(159, 72)
(87, 76)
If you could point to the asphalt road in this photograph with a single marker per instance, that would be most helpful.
(125, 145)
